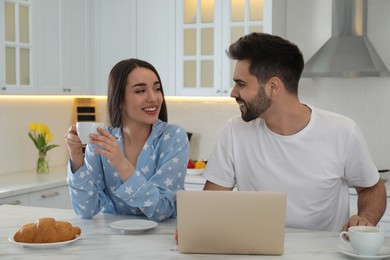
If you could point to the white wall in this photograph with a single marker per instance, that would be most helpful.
(204, 118)
(366, 100)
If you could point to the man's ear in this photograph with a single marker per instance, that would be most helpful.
(275, 86)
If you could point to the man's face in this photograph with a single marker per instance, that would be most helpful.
(249, 93)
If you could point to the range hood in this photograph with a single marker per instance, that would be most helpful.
(348, 53)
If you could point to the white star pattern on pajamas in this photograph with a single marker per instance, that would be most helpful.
(150, 190)
(168, 182)
(145, 169)
(147, 203)
(129, 190)
(166, 137)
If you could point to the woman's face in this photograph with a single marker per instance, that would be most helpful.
(143, 97)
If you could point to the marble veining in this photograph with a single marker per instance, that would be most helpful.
(100, 241)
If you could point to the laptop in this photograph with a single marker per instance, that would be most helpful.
(231, 222)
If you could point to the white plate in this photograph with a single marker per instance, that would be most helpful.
(347, 250)
(134, 225)
(195, 171)
(42, 245)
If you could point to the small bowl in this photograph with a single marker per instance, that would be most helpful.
(194, 171)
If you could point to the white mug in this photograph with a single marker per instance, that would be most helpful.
(364, 240)
(84, 129)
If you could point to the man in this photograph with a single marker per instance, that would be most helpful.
(280, 144)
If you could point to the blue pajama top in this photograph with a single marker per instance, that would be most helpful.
(151, 190)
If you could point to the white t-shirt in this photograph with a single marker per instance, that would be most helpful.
(313, 166)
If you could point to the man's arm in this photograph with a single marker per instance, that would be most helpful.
(371, 205)
(212, 186)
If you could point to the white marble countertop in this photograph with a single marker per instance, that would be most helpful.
(100, 241)
(29, 181)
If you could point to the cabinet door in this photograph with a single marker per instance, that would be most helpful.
(205, 29)
(23, 200)
(62, 52)
(15, 47)
(47, 42)
(76, 46)
(198, 47)
(51, 198)
(156, 38)
(115, 23)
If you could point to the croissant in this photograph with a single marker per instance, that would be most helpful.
(46, 230)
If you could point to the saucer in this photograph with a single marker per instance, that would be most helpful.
(384, 252)
(134, 225)
(43, 245)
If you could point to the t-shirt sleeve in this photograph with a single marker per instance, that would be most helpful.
(360, 169)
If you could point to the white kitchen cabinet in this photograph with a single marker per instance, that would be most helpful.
(194, 182)
(51, 198)
(57, 197)
(23, 199)
(56, 55)
(142, 29)
(32, 189)
(15, 47)
(62, 37)
(205, 29)
(115, 23)
(155, 38)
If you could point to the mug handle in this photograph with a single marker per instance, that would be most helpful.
(343, 236)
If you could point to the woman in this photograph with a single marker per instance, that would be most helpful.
(136, 165)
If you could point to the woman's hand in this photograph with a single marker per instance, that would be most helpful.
(75, 148)
(109, 147)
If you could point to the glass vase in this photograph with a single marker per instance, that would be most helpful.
(42, 163)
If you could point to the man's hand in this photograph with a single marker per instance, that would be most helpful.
(355, 220)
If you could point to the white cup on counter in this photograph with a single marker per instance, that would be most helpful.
(364, 240)
(84, 129)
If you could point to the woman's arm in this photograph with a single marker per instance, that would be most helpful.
(86, 186)
(152, 188)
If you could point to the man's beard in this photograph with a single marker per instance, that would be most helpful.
(255, 106)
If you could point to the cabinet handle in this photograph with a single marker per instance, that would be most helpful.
(16, 202)
(4, 88)
(66, 90)
(46, 196)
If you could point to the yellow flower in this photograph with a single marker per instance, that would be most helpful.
(32, 126)
(41, 136)
(41, 129)
(48, 137)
